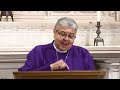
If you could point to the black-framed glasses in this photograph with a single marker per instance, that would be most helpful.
(64, 35)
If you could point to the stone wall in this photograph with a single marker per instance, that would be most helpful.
(34, 27)
(11, 35)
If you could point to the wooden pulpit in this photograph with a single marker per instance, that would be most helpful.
(93, 74)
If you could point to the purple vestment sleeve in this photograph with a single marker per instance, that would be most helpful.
(81, 59)
(35, 61)
(89, 62)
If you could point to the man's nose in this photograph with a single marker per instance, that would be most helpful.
(66, 38)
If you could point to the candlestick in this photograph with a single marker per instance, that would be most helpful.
(98, 16)
(98, 38)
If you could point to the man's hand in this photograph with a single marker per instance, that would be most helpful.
(59, 65)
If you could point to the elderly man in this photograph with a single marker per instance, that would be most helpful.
(61, 54)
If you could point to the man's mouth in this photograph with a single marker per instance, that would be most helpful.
(64, 44)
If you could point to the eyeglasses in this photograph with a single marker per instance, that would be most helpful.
(64, 35)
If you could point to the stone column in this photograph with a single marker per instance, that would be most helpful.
(113, 69)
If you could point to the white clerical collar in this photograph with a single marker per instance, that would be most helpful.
(58, 49)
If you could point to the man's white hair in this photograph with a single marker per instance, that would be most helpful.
(67, 22)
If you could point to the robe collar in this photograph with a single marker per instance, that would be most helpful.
(71, 50)
(58, 49)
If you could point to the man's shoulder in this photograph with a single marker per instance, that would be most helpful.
(79, 48)
(44, 46)
(39, 48)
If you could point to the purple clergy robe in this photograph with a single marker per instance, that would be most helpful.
(41, 56)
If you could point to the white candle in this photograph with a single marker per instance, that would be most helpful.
(98, 16)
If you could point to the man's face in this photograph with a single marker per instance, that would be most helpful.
(64, 38)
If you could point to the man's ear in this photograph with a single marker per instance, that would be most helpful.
(54, 30)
